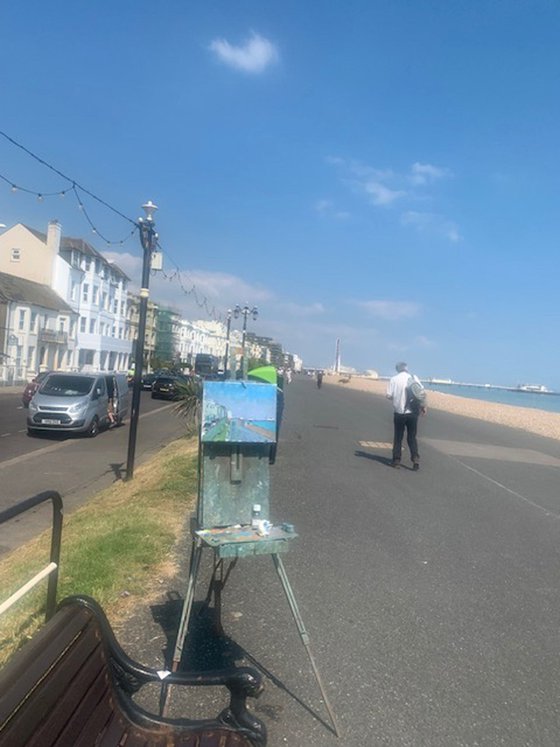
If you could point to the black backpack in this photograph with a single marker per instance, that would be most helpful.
(415, 395)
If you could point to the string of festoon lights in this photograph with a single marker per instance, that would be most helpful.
(77, 190)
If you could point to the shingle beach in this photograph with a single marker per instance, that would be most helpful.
(524, 418)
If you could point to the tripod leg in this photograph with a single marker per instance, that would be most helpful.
(196, 553)
(279, 565)
(187, 605)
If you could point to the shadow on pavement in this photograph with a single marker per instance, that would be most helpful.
(206, 649)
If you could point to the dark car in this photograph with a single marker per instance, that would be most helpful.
(166, 387)
(148, 380)
(31, 387)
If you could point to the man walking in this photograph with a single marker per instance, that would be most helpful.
(407, 405)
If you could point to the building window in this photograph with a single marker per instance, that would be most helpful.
(33, 325)
(21, 324)
(61, 324)
(96, 294)
(92, 326)
(82, 324)
(85, 294)
(16, 255)
(88, 264)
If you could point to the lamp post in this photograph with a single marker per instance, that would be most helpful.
(148, 239)
(228, 331)
(244, 312)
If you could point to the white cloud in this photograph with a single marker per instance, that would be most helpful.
(380, 194)
(426, 173)
(327, 208)
(299, 310)
(393, 310)
(254, 56)
(432, 223)
(384, 187)
(424, 342)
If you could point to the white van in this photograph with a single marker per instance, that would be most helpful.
(78, 402)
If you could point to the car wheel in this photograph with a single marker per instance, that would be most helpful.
(93, 429)
(31, 432)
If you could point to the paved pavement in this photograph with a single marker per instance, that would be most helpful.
(431, 599)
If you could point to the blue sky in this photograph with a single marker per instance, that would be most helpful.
(384, 172)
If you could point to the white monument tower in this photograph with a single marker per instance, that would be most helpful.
(337, 356)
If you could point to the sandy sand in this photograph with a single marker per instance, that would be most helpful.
(525, 418)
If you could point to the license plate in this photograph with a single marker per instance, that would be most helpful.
(50, 421)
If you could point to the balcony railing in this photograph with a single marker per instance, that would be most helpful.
(53, 336)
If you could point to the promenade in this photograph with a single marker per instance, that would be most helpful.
(431, 598)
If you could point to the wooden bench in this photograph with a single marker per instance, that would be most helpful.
(72, 684)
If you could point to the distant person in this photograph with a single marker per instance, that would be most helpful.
(408, 397)
(319, 379)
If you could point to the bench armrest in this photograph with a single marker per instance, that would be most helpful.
(130, 675)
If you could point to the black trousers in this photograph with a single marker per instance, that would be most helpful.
(410, 422)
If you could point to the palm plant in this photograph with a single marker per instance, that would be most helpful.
(189, 402)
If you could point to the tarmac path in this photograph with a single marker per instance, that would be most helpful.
(431, 599)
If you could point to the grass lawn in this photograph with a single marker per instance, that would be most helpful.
(116, 548)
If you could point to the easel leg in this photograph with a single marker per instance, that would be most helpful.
(196, 553)
(187, 605)
(217, 583)
(279, 565)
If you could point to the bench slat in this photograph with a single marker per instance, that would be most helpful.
(59, 691)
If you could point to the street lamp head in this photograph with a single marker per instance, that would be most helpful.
(237, 311)
(255, 313)
(149, 208)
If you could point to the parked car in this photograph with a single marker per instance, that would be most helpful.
(168, 386)
(31, 387)
(78, 402)
(148, 380)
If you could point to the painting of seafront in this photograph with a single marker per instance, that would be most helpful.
(238, 412)
(548, 401)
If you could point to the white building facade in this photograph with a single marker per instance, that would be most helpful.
(37, 330)
(94, 289)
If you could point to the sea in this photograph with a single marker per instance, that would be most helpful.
(550, 402)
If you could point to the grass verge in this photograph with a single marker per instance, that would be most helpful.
(116, 548)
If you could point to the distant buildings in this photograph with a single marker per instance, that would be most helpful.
(64, 306)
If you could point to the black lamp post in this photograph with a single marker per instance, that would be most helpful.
(245, 311)
(228, 331)
(148, 239)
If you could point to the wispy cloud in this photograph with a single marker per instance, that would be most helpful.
(329, 209)
(432, 223)
(254, 56)
(380, 194)
(426, 173)
(393, 310)
(385, 188)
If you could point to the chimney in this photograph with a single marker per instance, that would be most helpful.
(54, 234)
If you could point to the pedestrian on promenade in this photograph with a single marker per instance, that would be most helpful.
(408, 403)
(319, 379)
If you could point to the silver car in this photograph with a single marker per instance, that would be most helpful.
(78, 402)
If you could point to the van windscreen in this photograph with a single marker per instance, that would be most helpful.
(60, 385)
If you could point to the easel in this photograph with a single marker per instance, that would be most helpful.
(233, 476)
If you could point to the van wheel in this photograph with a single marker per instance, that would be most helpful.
(31, 432)
(93, 428)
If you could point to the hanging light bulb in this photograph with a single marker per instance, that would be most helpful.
(39, 198)
(14, 188)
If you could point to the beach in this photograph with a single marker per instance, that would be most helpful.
(527, 419)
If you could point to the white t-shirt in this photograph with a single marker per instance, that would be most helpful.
(396, 391)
